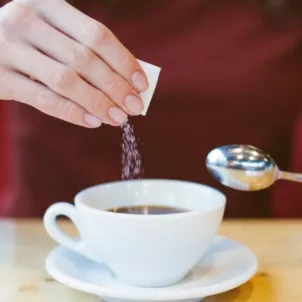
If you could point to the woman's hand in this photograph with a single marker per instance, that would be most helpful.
(62, 62)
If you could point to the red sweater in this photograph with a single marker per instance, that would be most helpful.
(228, 76)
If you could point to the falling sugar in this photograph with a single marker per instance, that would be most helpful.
(132, 166)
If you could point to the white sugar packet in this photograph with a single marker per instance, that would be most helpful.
(152, 73)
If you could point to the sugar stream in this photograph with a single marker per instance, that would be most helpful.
(132, 165)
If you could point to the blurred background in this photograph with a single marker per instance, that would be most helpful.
(231, 73)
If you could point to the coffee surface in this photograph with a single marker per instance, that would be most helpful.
(148, 210)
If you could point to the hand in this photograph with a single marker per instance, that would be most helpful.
(67, 65)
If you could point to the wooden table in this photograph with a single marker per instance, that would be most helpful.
(278, 245)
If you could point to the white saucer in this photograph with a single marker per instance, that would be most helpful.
(226, 265)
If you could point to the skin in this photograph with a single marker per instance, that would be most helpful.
(67, 65)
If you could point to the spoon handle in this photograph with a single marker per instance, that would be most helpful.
(297, 177)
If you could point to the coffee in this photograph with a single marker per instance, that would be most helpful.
(147, 210)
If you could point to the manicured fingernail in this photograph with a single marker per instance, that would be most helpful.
(134, 104)
(139, 81)
(117, 115)
(92, 120)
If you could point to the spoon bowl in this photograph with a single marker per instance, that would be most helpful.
(245, 168)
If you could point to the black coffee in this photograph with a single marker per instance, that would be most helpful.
(147, 210)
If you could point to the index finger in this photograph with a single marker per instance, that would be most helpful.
(98, 38)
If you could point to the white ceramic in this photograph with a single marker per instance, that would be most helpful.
(142, 250)
(226, 265)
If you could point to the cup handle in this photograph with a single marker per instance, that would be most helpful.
(54, 231)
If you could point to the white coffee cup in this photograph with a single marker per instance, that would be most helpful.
(142, 250)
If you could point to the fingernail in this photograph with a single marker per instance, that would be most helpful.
(134, 104)
(139, 81)
(117, 115)
(92, 120)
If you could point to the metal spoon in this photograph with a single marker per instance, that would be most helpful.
(245, 168)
